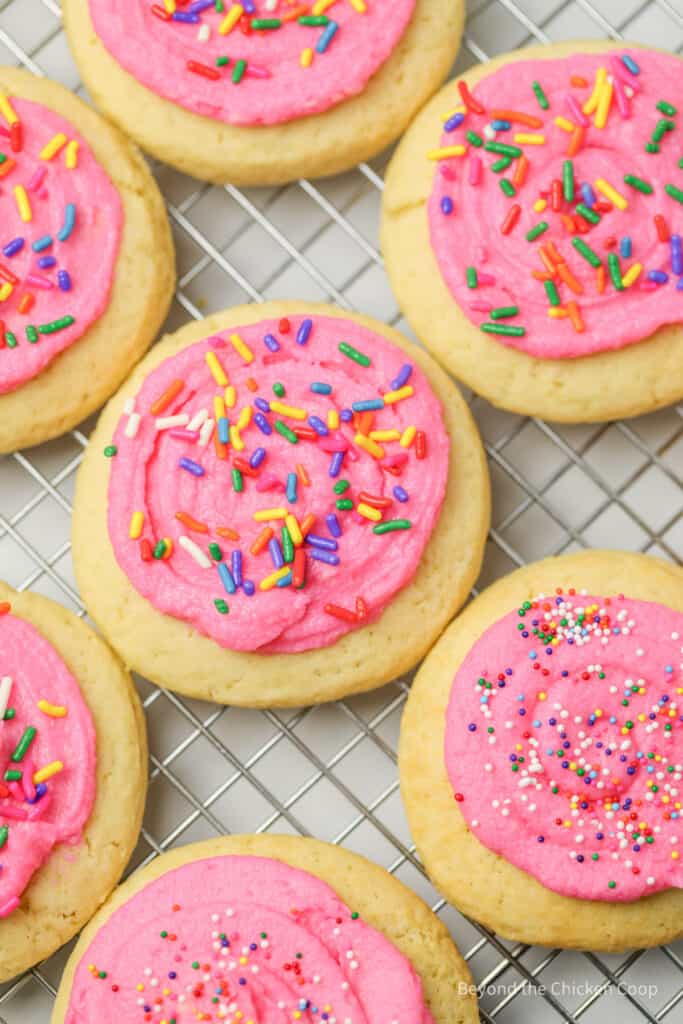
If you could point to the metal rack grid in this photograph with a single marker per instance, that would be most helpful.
(331, 771)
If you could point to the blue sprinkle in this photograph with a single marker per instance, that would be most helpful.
(236, 561)
(336, 464)
(262, 423)
(322, 543)
(42, 243)
(45, 262)
(454, 122)
(321, 389)
(679, 286)
(275, 550)
(271, 343)
(346, 415)
(658, 276)
(333, 525)
(191, 467)
(630, 64)
(249, 588)
(64, 280)
(285, 581)
(224, 430)
(318, 425)
(402, 377)
(304, 332)
(327, 37)
(501, 126)
(325, 556)
(292, 481)
(400, 494)
(188, 19)
(13, 247)
(589, 196)
(200, 5)
(69, 222)
(447, 206)
(368, 405)
(226, 578)
(257, 457)
(626, 247)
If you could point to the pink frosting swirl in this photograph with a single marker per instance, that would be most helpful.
(564, 743)
(511, 237)
(47, 725)
(333, 480)
(61, 231)
(250, 75)
(240, 939)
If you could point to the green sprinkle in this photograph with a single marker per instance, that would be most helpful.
(9, 714)
(504, 312)
(237, 480)
(279, 389)
(615, 271)
(110, 451)
(474, 139)
(680, 163)
(3, 157)
(4, 832)
(195, 965)
(552, 293)
(590, 215)
(612, 885)
(11, 340)
(568, 180)
(662, 128)
(264, 24)
(535, 232)
(102, 974)
(56, 325)
(341, 486)
(543, 101)
(651, 147)
(353, 353)
(287, 545)
(221, 606)
(283, 429)
(391, 525)
(344, 504)
(507, 187)
(31, 334)
(501, 165)
(238, 71)
(590, 255)
(220, 7)
(503, 149)
(222, 62)
(675, 193)
(159, 549)
(13, 775)
(472, 279)
(638, 184)
(164, 935)
(355, 915)
(667, 108)
(314, 20)
(215, 552)
(510, 330)
(24, 743)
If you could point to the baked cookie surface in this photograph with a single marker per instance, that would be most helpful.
(295, 504)
(532, 224)
(313, 926)
(540, 754)
(258, 93)
(74, 787)
(86, 265)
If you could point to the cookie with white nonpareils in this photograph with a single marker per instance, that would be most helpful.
(275, 496)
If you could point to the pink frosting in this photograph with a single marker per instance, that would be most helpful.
(35, 817)
(468, 208)
(274, 87)
(242, 939)
(327, 480)
(564, 743)
(64, 277)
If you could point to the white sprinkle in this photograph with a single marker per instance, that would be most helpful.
(204, 33)
(5, 690)
(198, 419)
(205, 433)
(132, 425)
(165, 422)
(202, 560)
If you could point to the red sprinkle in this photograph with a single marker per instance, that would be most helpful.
(468, 99)
(202, 69)
(145, 550)
(420, 445)
(299, 568)
(285, 326)
(663, 232)
(341, 613)
(510, 221)
(16, 137)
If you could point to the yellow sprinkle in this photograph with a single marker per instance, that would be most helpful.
(6, 290)
(244, 418)
(385, 435)
(230, 20)
(230, 396)
(604, 104)
(137, 521)
(7, 110)
(43, 774)
(218, 407)
(557, 312)
(396, 396)
(52, 710)
(408, 436)
(288, 410)
(170, 6)
(369, 446)
(264, 514)
(217, 371)
(611, 193)
(321, 6)
(600, 79)
(306, 58)
(674, 854)
(358, 5)
(71, 154)
(236, 439)
(632, 274)
(529, 139)
(452, 113)
(168, 549)
(564, 124)
(333, 419)
(542, 695)
(23, 204)
(540, 205)
(270, 581)
(53, 147)
(444, 152)
(368, 512)
(292, 524)
(140, 988)
(242, 348)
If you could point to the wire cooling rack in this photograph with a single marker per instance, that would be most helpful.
(331, 771)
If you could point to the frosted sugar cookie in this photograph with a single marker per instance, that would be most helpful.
(542, 754)
(86, 261)
(73, 778)
(270, 928)
(284, 504)
(532, 228)
(263, 91)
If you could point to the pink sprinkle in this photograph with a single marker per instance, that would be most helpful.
(27, 780)
(648, 286)
(486, 279)
(216, 342)
(576, 111)
(37, 179)
(4, 131)
(268, 482)
(446, 172)
(184, 435)
(38, 281)
(474, 170)
(7, 908)
(334, 444)
(479, 306)
(39, 809)
(13, 811)
(16, 791)
(622, 99)
(399, 459)
(619, 70)
(481, 255)
(257, 71)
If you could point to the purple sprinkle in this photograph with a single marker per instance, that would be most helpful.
(658, 276)
(41, 790)
(276, 552)
(447, 206)
(249, 588)
(676, 255)
(336, 464)
(200, 5)
(333, 525)
(45, 262)
(589, 197)
(262, 423)
(261, 404)
(249, 6)
(400, 494)
(304, 332)
(454, 122)
(188, 19)
(325, 556)
(679, 286)
(346, 415)
(257, 458)
(191, 467)
(13, 247)
(64, 280)
(323, 543)
(402, 377)
(318, 425)
(236, 562)
(271, 343)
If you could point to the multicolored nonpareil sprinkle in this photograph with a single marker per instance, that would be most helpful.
(556, 213)
(564, 743)
(276, 484)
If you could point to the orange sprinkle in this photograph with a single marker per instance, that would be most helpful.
(251, 384)
(517, 117)
(554, 253)
(521, 171)
(304, 478)
(225, 531)
(6, 167)
(578, 82)
(163, 401)
(297, 12)
(365, 421)
(540, 275)
(568, 223)
(576, 141)
(26, 302)
(5, 608)
(569, 279)
(601, 279)
(575, 317)
(190, 523)
(307, 524)
(261, 541)
(219, 447)
(548, 262)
